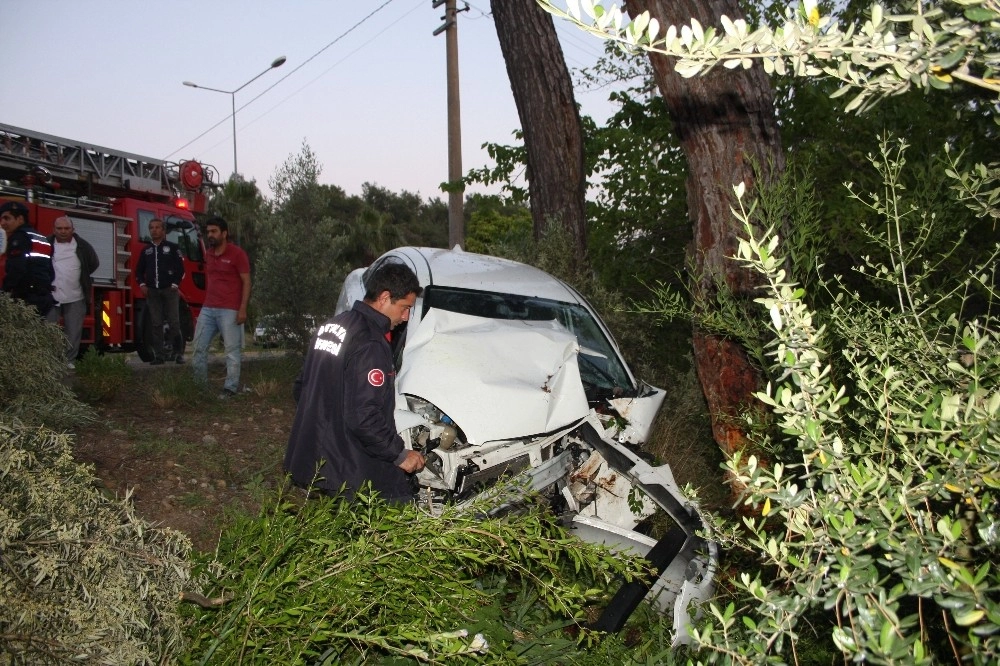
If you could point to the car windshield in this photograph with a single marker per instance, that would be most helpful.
(600, 366)
(185, 234)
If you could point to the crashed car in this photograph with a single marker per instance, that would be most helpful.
(505, 371)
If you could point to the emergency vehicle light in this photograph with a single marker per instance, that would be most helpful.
(181, 203)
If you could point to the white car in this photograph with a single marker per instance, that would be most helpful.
(505, 370)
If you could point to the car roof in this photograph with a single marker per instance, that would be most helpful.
(468, 270)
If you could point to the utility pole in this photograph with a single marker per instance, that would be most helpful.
(456, 195)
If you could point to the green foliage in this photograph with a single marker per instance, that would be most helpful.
(316, 234)
(244, 208)
(83, 579)
(493, 222)
(327, 581)
(32, 370)
(879, 509)
(101, 377)
(933, 46)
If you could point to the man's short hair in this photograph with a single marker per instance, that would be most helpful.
(15, 208)
(218, 222)
(394, 277)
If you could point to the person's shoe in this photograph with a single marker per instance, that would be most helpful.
(179, 359)
(227, 394)
(156, 361)
(71, 366)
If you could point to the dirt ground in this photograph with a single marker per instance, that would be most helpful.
(190, 462)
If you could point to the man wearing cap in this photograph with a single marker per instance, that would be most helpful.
(28, 272)
(74, 261)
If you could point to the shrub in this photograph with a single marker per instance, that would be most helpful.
(880, 511)
(83, 579)
(32, 370)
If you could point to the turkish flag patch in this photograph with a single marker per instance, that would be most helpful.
(376, 377)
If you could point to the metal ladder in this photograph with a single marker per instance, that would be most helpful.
(105, 171)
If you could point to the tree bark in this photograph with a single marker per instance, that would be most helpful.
(725, 121)
(550, 119)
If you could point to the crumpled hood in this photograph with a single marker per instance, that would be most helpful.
(495, 378)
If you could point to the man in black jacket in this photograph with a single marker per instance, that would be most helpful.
(159, 274)
(28, 272)
(74, 262)
(344, 433)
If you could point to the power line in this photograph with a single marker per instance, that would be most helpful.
(303, 64)
(331, 67)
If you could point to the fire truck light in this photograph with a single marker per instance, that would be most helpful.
(181, 203)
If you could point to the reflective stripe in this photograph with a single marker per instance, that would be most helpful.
(40, 246)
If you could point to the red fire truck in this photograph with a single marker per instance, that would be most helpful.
(111, 196)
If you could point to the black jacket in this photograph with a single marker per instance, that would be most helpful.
(28, 272)
(89, 262)
(344, 431)
(160, 266)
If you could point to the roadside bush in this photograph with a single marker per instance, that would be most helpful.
(33, 368)
(879, 513)
(83, 579)
(101, 377)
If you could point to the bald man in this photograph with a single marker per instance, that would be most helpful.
(74, 262)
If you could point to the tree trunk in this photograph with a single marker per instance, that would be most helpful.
(725, 122)
(550, 120)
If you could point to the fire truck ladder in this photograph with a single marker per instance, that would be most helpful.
(27, 153)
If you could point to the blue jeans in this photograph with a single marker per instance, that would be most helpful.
(222, 321)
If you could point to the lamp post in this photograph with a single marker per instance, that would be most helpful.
(278, 62)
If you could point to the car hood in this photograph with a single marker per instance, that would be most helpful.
(496, 379)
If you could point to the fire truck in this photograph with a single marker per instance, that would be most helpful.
(111, 196)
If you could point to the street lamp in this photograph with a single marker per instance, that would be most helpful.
(278, 62)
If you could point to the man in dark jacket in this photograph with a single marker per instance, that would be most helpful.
(74, 262)
(28, 271)
(159, 272)
(344, 433)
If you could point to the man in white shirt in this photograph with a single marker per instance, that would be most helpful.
(74, 260)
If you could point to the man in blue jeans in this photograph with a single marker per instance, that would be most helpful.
(227, 293)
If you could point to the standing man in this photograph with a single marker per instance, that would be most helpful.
(159, 272)
(227, 269)
(73, 261)
(28, 273)
(344, 433)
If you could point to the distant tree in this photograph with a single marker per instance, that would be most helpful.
(413, 221)
(244, 208)
(301, 169)
(493, 221)
(550, 120)
(303, 256)
(368, 235)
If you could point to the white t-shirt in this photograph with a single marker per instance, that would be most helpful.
(67, 267)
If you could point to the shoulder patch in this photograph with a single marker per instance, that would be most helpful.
(376, 377)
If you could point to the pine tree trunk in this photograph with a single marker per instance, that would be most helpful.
(550, 120)
(725, 121)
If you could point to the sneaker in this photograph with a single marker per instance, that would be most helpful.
(179, 360)
(71, 366)
(227, 394)
(156, 361)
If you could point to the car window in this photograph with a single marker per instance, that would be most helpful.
(600, 366)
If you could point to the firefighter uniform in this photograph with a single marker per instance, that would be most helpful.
(28, 274)
(344, 432)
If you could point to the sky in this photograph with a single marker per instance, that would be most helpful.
(364, 83)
